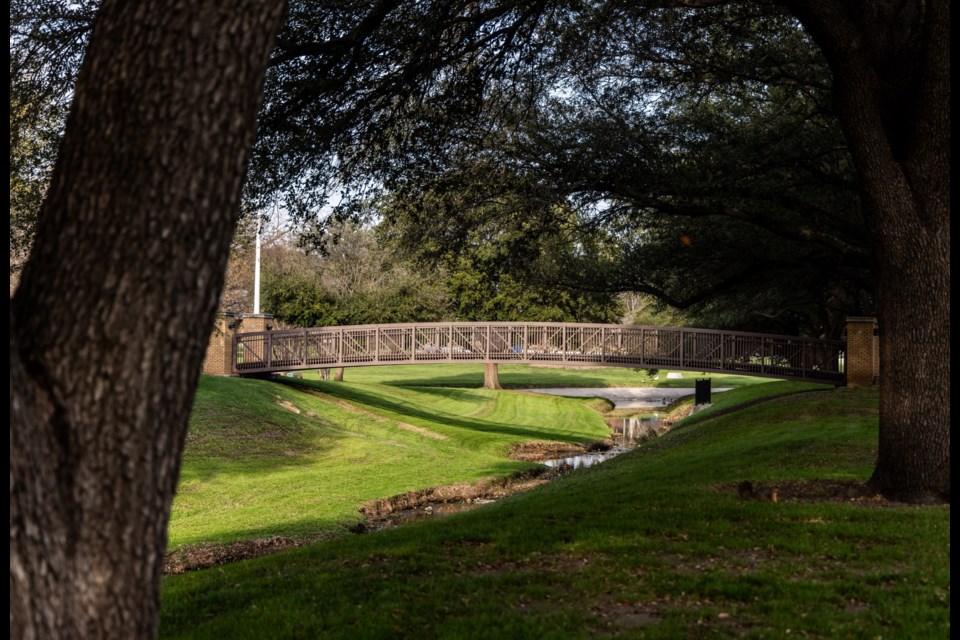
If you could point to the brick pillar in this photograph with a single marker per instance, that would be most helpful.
(219, 358)
(250, 322)
(218, 361)
(863, 352)
(491, 376)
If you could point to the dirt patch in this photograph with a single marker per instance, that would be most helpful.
(289, 406)
(203, 556)
(540, 450)
(628, 615)
(381, 513)
(536, 563)
(421, 430)
(620, 615)
(807, 491)
(676, 413)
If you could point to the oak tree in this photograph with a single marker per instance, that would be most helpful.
(110, 321)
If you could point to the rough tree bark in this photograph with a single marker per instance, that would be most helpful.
(891, 65)
(110, 321)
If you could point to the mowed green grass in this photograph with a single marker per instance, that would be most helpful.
(299, 458)
(522, 376)
(655, 543)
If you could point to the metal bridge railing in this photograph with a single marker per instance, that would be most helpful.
(532, 342)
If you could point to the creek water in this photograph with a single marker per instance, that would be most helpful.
(627, 434)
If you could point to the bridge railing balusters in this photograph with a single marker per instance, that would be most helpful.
(647, 347)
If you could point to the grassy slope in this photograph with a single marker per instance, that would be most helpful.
(253, 467)
(654, 543)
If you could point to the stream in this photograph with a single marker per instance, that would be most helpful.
(631, 432)
(627, 434)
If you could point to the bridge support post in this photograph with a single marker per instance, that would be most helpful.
(219, 358)
(862, 364)
(491, 376)
(338, 374)
(218, 362)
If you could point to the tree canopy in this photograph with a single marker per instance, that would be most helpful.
(46, 46)
(698, 145)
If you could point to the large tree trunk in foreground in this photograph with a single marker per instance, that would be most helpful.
(110, 322)
(891, 66)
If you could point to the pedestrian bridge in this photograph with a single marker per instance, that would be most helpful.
(642, 347)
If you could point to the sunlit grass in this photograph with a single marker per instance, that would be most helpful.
(265, 458)
(300, 457)
(655, 543)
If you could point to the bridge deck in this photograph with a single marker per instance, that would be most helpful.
(643, 347)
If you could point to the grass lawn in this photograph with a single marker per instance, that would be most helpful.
(655, 543)
(520, 376)
(299, 458)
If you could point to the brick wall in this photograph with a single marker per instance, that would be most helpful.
(863, 352)
(219, 358)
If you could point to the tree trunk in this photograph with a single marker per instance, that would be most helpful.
(890, 62)
(109, 324)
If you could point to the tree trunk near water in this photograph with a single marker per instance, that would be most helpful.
(110, 322)
(891, 67)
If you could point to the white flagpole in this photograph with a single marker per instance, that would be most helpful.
(256, 272)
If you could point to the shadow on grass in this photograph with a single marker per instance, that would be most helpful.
(508, 380)
(520, 376)
(410, 411)
(668, 532)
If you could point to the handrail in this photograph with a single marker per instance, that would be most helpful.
(635, 346)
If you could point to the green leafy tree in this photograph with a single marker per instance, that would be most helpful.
(46, 43)
(496, 265)
(715, 172)
(353, 282)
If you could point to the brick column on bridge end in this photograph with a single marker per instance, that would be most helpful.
(219, 357)
(491, 376)
(863, 352)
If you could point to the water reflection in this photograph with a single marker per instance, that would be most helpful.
(584, 459)
(627, 434)
(637, 430)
